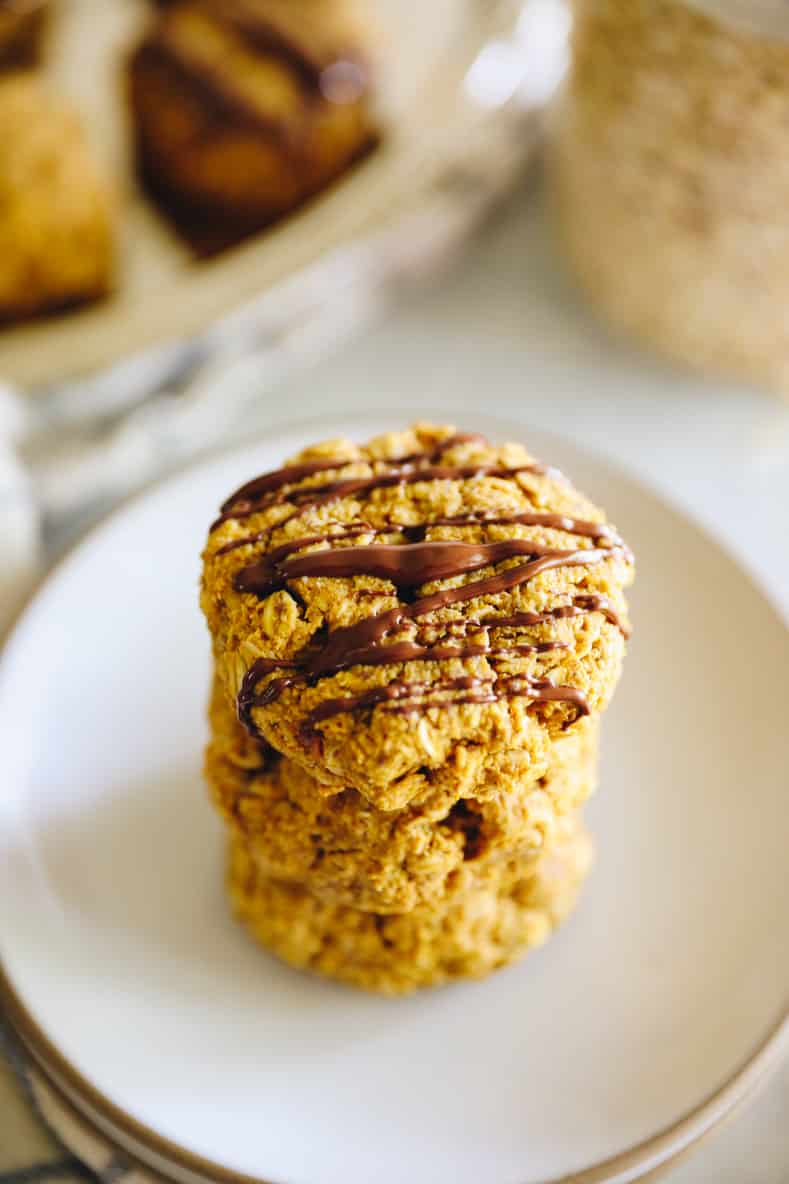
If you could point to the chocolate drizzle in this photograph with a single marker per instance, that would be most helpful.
(332, 491)
(580, 606)
(409, 566)
(248, 697)
(275, 481)
(272, 489)
(359, 645)
(418, 533)
(399, 651)
(349, 645)
(408, 698)
(406, 565)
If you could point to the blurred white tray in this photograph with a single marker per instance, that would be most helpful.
(101, 401)
(432, 109)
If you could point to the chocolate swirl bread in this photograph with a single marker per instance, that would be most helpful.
(382, 611)
(244, 108)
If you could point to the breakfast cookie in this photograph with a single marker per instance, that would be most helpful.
(345, 850)
(56, 233)
(487, 920)
(22, 24)
(381, 611)
(244, 109)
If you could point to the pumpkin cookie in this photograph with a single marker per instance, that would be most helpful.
(382, 611)
(487, 920)
(345, 850)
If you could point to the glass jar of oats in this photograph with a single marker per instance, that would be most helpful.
(670, 172)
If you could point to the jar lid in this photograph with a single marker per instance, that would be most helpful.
(768, 18)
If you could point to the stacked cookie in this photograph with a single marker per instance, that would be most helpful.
(414, 640)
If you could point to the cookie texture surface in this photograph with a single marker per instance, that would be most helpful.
(244, 109)
(424, 602)
(56, 213)
(346, 851)
(487, 920)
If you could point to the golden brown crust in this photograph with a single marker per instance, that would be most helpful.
(486, 921)
(390, 757)
(56, 232)
(348, 852)
(238, 124)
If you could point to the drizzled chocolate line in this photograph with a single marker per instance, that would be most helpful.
(580, 606)
(406, 565)
(593, 530)
(347, 645)
(279, 478)
(276, 555)
(407, 698)
(539, 690)
(334, 658)
(291, 474)
(322, 495)
(266, 491)
(399, 651)
(409, 651)
(412, 651)
(600, 531)
(387, 655)
(248, 697)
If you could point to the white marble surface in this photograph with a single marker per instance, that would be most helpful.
(505, 331)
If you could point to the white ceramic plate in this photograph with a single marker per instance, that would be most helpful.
(196, 1049)
(424, 51)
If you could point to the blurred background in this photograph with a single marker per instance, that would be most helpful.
(219, 217)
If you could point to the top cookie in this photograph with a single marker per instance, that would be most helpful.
(380, 609)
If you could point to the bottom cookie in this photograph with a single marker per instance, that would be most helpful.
(488, 919)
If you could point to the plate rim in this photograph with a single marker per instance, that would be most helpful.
(650, 1156)
(646, 1158)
